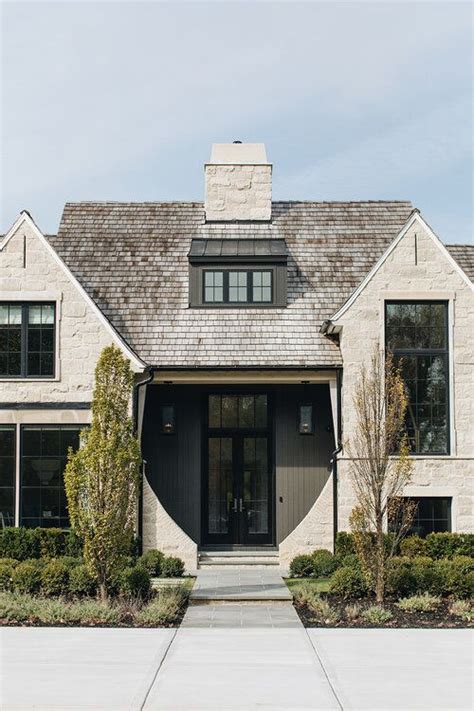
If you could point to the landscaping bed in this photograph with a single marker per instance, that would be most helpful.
(428, 583)
(350, 613)
(44, 581)
(164, 608)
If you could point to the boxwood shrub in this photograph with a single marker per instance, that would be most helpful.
(6, 576)
(26, 577)
(302, 566)
(348, 582)
(446, 545)
(344, 543)
(55, 578)
(413, 546)
(19, 543)
(172, 567)
(81, 582)
(135, 582)
(152, 561)
(324, 563)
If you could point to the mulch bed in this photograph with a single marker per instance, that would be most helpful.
(436, 619)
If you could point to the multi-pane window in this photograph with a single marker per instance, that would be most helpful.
(214, 287)
(237, 411)
(238, 287)
(27, 335)
(7, 475)
(432, 515)
(43, 459)
(417, 335)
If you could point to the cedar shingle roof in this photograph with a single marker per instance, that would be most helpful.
(464, 256)
(133, 261)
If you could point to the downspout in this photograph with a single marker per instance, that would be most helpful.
(334, 456)
(135, 401)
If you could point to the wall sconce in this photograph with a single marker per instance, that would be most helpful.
(168, 419)
(306, 419)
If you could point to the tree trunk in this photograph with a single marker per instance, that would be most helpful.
(380, 570)
(103, 592)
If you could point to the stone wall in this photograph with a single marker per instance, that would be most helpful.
(29, 272)
(238, 192)
(162, 532)
(314, 531)
(417, 268)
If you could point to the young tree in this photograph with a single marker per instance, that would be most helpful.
(102, 477)
(380, 466)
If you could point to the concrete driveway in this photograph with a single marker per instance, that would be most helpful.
(45, 668)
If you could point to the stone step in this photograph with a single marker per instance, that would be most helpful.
(241, 562)
(238, 558)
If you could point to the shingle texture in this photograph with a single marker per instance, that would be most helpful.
(133, 261)
(464, 256)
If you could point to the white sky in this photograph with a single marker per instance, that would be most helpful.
(122, 100)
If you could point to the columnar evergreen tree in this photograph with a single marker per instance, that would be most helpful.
(381, 466)
(102, 477)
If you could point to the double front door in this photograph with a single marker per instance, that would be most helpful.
(237, 492)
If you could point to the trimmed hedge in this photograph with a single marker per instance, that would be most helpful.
(26, 577)
(302, 566)
(81, 582)
(135, 582)
(55, 578)
(348, 582)
(172, 567)
(447, 545)
(324, 563)
(152, 561)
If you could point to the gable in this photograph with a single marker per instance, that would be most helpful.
(411, 262)
(31, 266)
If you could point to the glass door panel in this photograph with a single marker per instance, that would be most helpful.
(220, 485)
(255, 487)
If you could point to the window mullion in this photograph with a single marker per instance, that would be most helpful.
(250, 287)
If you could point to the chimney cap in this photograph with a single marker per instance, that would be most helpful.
(238, 153)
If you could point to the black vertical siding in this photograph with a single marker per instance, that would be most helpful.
(174, 461)
(301, 462)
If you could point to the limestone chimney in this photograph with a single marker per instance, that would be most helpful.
(238, 183)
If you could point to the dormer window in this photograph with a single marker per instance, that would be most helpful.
(237, 286)
(238, 273)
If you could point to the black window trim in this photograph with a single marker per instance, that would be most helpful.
(427, 352)
(392, 525)
(225, 272)
(20, 433)
(23, 375)
(279, 284)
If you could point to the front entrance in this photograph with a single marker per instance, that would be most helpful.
(238, 482)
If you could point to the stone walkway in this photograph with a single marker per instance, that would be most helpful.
(239, 583)
(235, 615)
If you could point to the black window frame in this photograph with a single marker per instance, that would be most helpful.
(23, 520)
(415, 528)
(24, 338)
(226, 286)
(10, 487)
(399, 353)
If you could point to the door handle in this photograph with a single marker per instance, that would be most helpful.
(234, 508)
(241, 506)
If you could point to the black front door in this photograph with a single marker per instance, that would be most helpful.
(238, 491)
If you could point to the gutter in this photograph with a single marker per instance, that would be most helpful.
(333, 461)
(135, 399)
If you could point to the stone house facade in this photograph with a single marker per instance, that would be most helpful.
(246, 322)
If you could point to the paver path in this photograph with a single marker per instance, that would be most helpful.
(242, 614)
(239, 583)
